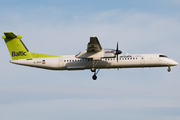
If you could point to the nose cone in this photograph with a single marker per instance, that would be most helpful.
(173, 63)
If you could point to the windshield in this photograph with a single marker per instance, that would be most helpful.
(163, 56)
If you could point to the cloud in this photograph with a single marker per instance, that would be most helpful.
(54, 30)
(128, 28)
(98, 108)
(176, 2)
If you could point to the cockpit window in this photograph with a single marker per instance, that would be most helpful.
(163, 56)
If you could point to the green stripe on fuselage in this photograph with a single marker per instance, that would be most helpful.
(37, 55)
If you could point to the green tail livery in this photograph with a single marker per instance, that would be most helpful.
(18, 50)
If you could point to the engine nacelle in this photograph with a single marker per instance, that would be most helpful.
(105, 53)
(109, 53)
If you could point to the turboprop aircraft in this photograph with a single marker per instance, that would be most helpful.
(93, 58)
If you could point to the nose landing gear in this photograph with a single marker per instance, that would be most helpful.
(169, 69)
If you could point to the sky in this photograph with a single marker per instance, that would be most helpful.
(64, 27)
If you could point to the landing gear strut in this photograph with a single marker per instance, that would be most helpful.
(169, 69)
(93, 69)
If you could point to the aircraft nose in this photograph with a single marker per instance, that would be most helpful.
(173, 63)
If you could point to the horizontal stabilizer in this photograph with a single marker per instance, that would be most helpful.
(10, 35)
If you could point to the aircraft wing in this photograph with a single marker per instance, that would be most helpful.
(94, 45)
(93, 50)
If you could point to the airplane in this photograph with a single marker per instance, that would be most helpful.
(93, 58)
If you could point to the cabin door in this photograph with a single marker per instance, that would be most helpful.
(142, 60)
(61, 62)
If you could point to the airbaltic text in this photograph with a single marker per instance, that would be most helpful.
(19, 53)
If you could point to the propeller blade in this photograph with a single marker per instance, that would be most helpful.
(117, 52)
(117, 47)
(117, 57)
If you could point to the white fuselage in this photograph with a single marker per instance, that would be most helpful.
(72, 63)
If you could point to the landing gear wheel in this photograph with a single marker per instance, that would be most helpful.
(94, 77)
(169, 69)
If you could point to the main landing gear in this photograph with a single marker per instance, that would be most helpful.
(94, 77)
(93, 69)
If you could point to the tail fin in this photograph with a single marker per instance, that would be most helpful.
(16, 47)
(18, 50)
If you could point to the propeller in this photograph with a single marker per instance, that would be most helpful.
(117, 52)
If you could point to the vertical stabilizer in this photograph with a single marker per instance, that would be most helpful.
(16, 47)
